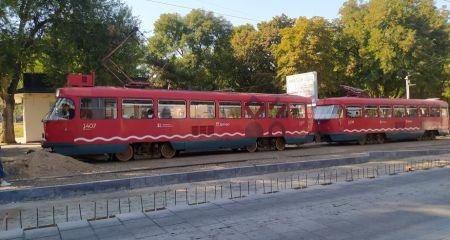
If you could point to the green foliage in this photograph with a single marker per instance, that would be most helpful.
(309, 46)
(396, 38)
(255, 67)
(191, 52)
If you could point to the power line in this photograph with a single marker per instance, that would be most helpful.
(190, 8)
(225, 8)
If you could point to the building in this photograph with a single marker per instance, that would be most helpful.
(36, 97)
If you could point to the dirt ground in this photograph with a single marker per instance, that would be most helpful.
(30, 161)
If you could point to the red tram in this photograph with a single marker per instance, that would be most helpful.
(371, 120)
(126, 122)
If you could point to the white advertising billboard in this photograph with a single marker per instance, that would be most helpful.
(304, 84)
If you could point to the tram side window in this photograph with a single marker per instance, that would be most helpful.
(399, 111)
(202, 109)
(297, 110)
(171, 109)
(229, 109)
(370, 111)
(435, 112)
(444, 112)
(98, 108)
(137, 108)
(254, 110)
(424, 112)
(353, 111)
(411, 111)
(385, 111)
(278, 110)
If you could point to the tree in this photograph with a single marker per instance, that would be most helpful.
(64, 36)
(191, 52)
(255, 68)
(395, 39)
(309, 46)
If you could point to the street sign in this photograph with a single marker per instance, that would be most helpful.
(304, 84)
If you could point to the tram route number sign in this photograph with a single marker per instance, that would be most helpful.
(303, 84)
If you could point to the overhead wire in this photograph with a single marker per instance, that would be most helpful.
(218, 13)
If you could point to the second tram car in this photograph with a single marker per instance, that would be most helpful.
(372, 120)
(125, 122)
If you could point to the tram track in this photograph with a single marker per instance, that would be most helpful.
(179, 166)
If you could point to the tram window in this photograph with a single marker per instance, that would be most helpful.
(399, 111)
(411, 111)
(202, 109)
(98, 108)
(353, 111)
(385, 111)
(327, 112)
(64, 109)
(435, 112)
(424, 112)
(254, 110)
(444, 112)
(278, 110)
(137, 108)
(171, 109)
(229, 109)
(370, 111)
(297, 110)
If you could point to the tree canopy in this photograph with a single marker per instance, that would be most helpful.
(60, 37)
(372, 45)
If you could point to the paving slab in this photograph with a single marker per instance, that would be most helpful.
(405, 206)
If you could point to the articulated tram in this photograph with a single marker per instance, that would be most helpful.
(125, 122)
(372, 120)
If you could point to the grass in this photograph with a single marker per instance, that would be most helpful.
(18, 130)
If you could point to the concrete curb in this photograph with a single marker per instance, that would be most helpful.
(79, 189)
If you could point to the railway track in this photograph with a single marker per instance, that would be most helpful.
(216, 160)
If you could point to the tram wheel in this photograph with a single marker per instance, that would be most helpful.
(167, 151)
(432, 135)
(363, 140)
(125, 156)
(380, 138)
(252, 147)
(280, 144)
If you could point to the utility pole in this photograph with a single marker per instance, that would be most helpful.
(408, 84)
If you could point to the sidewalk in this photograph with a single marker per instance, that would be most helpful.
(407, 206)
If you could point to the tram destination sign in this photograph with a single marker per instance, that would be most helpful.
(303, 84)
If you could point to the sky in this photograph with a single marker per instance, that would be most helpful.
(238, 12)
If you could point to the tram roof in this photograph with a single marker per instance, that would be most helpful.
(381, 101)
(172, 94)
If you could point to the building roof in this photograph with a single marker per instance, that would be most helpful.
(36, 83)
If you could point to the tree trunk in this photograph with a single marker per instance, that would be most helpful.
(8, 135)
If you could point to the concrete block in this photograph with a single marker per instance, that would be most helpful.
(42, 232)
(200, 176)
(11, 234)
(109, 222)
(224, 173)
(137, 182)
(153, 181)
(110, 185)
(72, 225)
(78, 233)
(130, 216)
(174, 178)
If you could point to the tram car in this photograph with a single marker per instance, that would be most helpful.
(372, 120)
(125, 122)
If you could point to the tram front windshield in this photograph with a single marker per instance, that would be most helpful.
(64, 109)
(327, 112)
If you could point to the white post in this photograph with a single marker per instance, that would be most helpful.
(407, 87)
